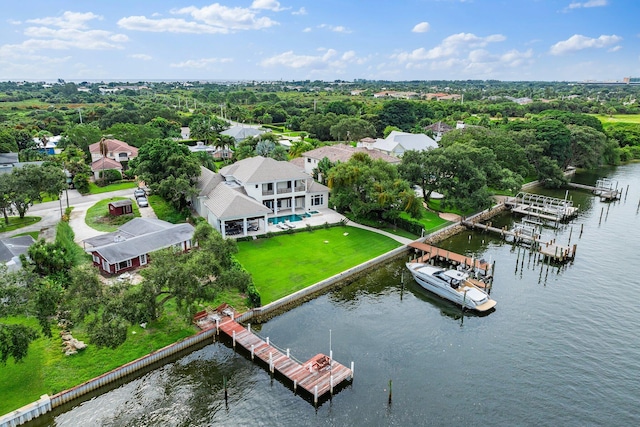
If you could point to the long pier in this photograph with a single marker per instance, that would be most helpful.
(604, 189)
(318, 376)
(550, 249)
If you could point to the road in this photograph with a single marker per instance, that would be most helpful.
(51, 212)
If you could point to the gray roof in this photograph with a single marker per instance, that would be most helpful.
(261, 169)
(241, 132)
(118, 203)
(145, 243)
(128, 230)
(8, 158)
(207, 181)
(409, 141)
(228, 201)
(14, 246)
(316, 187)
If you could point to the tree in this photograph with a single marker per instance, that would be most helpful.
(6, 196)
(82, 136)
(134, 134)
(352, 129)
(370, 189)
(190, 277)
(587, 146)
(169, 169)
(31, 181)
(398, 113)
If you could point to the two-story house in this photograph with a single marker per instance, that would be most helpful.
(250, 193)
(109, 154)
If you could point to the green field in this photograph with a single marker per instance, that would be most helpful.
(618, 118)
(123, 185)
(285, 264)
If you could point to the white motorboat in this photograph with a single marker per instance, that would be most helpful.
(453, 285)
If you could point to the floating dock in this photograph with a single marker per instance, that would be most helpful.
(543, 207)
(605, 188)
(318, 376)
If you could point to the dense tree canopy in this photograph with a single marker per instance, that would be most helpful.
(169, 169)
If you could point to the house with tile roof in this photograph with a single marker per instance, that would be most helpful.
(246, 195)
(240, 133)
(130, 247)
(116, 152)
(396, 143)
(340, 153)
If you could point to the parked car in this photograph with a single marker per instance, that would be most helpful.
(142, 202)
(139, 192)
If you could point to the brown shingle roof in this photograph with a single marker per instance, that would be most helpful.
(342, 153)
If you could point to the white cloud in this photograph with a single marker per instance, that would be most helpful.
(307, 30)
(579, 42)
(335, 28)
(142, 56)
(615, 48)
(301, 11)
(267, 4)
(329, 58)
(168, 25)
(589, 3)
(452, 45)
(67, 31)
(212, 19)
(200, 63)
(68, 19)
(422, 27)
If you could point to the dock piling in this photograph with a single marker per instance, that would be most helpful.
(252, 351)
(234, 340)
(390, 391)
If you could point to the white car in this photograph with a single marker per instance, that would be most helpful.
(142, 202)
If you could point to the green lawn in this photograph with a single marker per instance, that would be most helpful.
(618, 118)
(98, 216)
(165, 211)
(123, 185)
(16, 222)
(47, 370)
(285, 264)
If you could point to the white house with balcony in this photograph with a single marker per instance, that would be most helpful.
(243, 197)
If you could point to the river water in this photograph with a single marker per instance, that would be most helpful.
(561, 348)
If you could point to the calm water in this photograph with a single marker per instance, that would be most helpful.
(562, 347)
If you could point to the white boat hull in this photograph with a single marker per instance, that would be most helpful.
(464, 293)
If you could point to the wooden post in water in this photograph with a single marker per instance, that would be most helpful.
(224, 384)
(315, 394)
(602, 211)
(252, 351)
(570, 233)
(249, 327)
(581, 228)
(234, 340)
(390, 391)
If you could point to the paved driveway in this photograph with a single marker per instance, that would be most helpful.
(51, 212)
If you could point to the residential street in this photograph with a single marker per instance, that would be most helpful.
(51, 212)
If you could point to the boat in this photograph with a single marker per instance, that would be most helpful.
(453, 285)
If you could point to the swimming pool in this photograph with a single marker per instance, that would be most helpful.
(291, 218)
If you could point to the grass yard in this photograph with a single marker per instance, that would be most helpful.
(122, 185)
(285, 264)
(165, 211)
(618, 118)
(98, 216)
(16, 222)
(47, 370)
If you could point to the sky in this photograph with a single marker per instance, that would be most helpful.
(509, 40)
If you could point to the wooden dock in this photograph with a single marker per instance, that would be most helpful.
(550, 249)
(429, 253)
(318, 376)
(604, 189)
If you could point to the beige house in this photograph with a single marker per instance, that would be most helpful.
(108, 154)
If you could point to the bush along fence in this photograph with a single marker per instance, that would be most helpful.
(47, 403)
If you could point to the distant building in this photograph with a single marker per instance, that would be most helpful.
(396, 143)
(240, 133)
(108, 154)
(341, 153)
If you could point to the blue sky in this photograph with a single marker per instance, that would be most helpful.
(571, 40)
